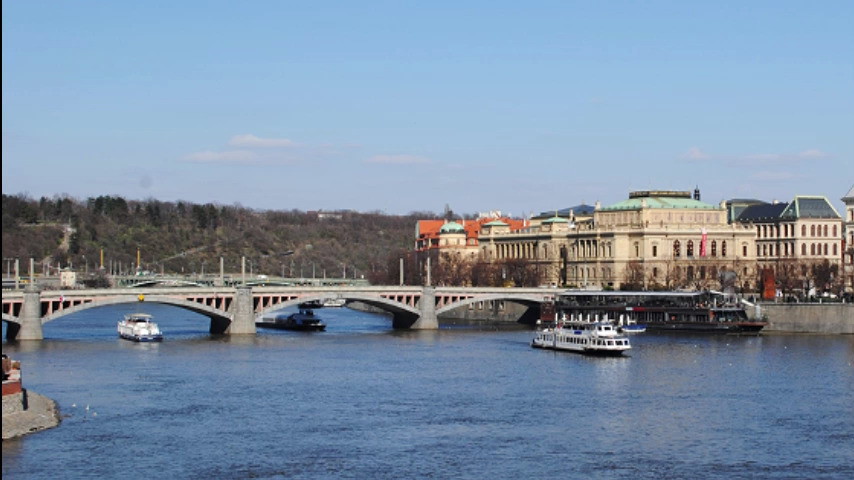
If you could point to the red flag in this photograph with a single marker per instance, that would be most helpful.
(703, 243)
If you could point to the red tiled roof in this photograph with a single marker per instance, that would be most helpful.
(429, 229)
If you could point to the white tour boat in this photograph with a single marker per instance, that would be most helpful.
(139, 328)
(592, 338)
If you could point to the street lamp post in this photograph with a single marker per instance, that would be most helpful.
(287, 253)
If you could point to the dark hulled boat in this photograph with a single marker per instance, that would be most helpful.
(304, 320)
(698, 312)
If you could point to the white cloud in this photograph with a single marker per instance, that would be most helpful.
(760, 157)
(398, 159)
(230, 156)
(812, 153)
(772, 176)
(249, 140)
(694, 153)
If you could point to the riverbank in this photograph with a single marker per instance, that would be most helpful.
(27, 412)
(818, 318)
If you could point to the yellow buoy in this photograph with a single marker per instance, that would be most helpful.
(141, 297)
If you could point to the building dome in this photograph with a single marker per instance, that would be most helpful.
(452, 227)
(495, 223)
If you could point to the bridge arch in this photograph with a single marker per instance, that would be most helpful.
(403, 316)
(220, 321)
(528, 300)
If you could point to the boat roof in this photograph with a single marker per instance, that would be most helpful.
(584, 322)
(139, 315)
(615, 293)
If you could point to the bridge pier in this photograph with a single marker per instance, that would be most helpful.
(243, 322)
(30, 317)
(428, 319)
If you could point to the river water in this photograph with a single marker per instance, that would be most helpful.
(363, 401)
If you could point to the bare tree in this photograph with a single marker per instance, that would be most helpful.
(824, 274)
(786, 275)
(452, 269)
(633, 276)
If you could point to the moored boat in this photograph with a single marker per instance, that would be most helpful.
(138, 327)
(591, 338)
(635, 328)
(334, 303)
(304, 320)
(311, 304)
(693, 312)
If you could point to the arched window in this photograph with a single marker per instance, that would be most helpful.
(834, 249)
(714, 248)
(690, 252)
(744, 250)
(637, 249)
(825, 249)
(812, 230)
(803, 249)
(803, 230)
(812, 249)
(677, 249)
(723, 248)
(825, 230)
(834, 231)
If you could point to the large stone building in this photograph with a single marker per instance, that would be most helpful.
(655, 239)
(794, 238)
(664, 239)
(848, 241)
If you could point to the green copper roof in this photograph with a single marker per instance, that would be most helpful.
(556, 220)
(451, 227)
(495, 223)
(660, 202)
(810, 207)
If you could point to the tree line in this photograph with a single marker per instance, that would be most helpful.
(188, 238)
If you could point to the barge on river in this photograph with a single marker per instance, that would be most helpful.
(305, 320)
(698, 312)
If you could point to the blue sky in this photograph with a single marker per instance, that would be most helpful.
(408, 106)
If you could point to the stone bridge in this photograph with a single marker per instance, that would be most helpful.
(233, 310)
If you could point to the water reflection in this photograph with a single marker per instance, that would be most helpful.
(362, 400)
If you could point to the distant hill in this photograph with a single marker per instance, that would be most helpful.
(182, 237)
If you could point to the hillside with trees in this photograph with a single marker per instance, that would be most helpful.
(182, 237)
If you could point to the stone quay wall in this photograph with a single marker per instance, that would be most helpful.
(818, 318)
(27, 412)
